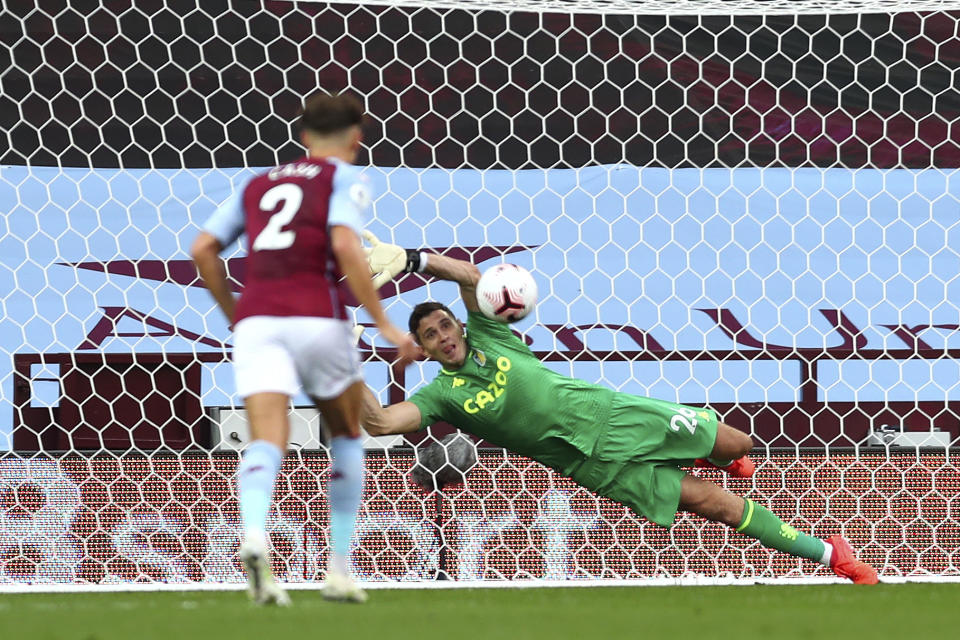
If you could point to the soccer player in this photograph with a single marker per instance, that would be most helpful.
(628, 448)
(302, 221)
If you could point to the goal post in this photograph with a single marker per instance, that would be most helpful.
(744, 205)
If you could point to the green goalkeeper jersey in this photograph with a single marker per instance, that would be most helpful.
(505, 395)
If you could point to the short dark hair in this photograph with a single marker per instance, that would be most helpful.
(424, 309)
(325, 113)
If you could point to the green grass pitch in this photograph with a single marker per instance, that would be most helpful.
(746, 612)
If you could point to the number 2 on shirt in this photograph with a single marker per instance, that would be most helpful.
(272, 238)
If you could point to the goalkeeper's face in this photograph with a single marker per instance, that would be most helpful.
(442, 339)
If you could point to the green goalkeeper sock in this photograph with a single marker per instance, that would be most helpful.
(760, 523)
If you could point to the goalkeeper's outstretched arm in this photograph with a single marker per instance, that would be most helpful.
(387, 261)
(403, 417)
(462, 272)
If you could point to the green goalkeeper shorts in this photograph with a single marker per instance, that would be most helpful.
(637, 460)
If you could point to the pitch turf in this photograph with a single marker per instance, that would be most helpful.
(759, 612)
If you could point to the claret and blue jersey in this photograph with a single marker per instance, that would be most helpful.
(286, 213)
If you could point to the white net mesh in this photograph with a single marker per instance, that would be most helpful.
(679, 7)
(755, 213)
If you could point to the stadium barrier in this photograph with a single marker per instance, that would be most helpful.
(155, 519)
(148, 401)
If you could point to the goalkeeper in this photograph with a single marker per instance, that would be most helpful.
(628, 448)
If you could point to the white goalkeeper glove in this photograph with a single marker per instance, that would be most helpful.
(387, 261)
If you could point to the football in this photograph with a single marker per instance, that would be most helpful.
(506, 293)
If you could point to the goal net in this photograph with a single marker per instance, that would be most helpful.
(744, 205)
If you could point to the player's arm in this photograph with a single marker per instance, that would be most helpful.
(219, 231)
(403, 417)
(389, 260)
(462, 272)
(205, 252)
(352, 261)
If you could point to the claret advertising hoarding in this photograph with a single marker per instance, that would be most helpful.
(174, 519)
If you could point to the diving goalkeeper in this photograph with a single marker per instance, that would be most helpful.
(628, 448)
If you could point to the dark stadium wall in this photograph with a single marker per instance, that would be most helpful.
(168, 84)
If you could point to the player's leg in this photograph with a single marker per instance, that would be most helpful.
(256, 478)
(730, 444)
(730, 453)
(329, 368)
(342, 418)
(756, 521)
(266, 379)
(260, 465)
